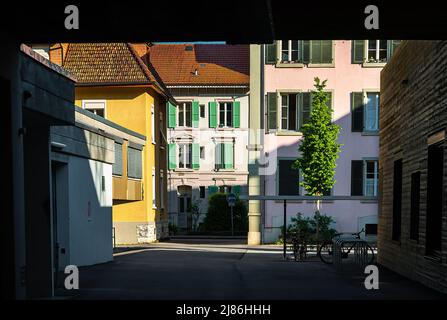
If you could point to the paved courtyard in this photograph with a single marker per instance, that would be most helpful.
(222, 269)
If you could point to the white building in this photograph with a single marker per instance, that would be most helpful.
(208, 129)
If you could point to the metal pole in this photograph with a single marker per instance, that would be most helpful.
(232, 228)
(285, 229)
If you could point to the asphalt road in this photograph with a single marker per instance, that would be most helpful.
(218, 269)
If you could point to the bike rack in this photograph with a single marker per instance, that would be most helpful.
(360, 251)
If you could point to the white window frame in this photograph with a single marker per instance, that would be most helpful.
(375, 179)
(153, 124)
(289, 51)
(281, 111)
(184, 104)
(225, 112)
(189, 146)
(102, 101)
(365, 105)
(154, 190)
(377, 52)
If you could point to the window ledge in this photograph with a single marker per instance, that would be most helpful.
(373, 64)
(224, 170)
(288, 133)
(433, 258)
(370, 133)
(183, 170)
(225, 128)
(281, 64)
(321, 65)
(134, 179)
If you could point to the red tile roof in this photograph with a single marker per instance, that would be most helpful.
(110, 64)
(216, 64)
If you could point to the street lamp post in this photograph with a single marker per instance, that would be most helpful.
(231, 198)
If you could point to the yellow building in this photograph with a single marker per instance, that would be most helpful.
(115, 81)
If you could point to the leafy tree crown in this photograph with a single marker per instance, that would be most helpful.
(319, 148)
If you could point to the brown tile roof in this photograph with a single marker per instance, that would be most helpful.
(216, 64)
(110, 64)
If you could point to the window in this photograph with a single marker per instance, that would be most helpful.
(154, 190)
(185, 156)
(185, 114)
(414, 205)
(117, 167)
(364, 177)
(225, 189)
(202, 192)
(225, 114)
(435, 188)
(97, 107)
(224, 156)
(372, 111)
(300, 51)
(370, 178)
(294, 110)
(153, 124)
(288, 111)
(134, 163)
(202, 111)
(365, 108)
(397, 200)
(288, 179)
(377, 51)
(202, 152)
(290, 50)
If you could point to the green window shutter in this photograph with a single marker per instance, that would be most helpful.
(305, 51)
(172, 115)
(212, 106)
(236, 190)
(357, 111)
(195, 156)
(172, 155)
(315, 51)
(270, 53)
(271, 111)
(358, 51)
(212, 190)
(326, 51)
(236, 114)
(321, 51)
(228, 155)
(356, 178)
(195, 114)
(392, 45)
(329, 99)
(305, 107)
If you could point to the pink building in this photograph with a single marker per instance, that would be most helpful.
(352, 70)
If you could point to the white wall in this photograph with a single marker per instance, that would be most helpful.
(90, 211)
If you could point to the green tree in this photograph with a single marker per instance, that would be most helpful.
(218, 217)
(319, 148)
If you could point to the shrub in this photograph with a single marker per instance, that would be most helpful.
(305, 229)
(218, 217)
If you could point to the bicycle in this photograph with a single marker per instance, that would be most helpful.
(326, 253)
